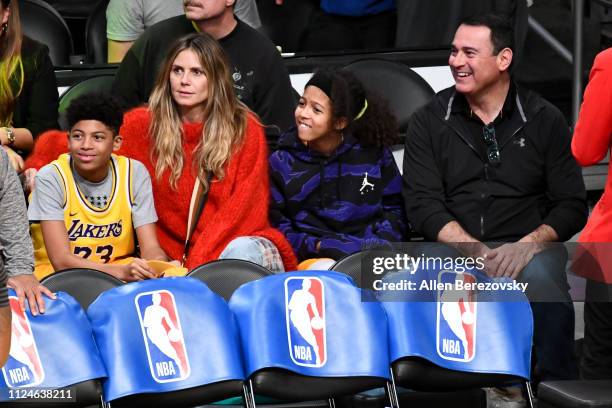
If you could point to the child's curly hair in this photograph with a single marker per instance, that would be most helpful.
(96, 106)
(368, 115)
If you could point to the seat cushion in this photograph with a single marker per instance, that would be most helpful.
(183, 398)
(576, 393)
(422, 375)
(287, 385)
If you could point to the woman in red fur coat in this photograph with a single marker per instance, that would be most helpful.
(195, 128)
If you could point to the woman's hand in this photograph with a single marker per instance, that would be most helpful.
(15, 159)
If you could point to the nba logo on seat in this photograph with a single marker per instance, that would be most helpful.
(305, 315)
(456, 317)
(23, 368)
(163, 336)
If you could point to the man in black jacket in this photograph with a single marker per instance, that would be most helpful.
(485, 161)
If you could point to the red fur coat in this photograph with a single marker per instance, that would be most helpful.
(237, 205)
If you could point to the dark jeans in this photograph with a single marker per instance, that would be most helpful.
(553, 314)
(596, 361)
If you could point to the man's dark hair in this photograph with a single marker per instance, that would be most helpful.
(96, 106)
(502, 33)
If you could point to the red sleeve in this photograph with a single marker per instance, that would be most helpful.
(591, 139)
(134, 131)
(246, 213)
(48, 146)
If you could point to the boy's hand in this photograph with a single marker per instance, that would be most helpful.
(138, 270)
(28, 288)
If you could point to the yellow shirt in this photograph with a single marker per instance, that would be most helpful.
(98, 234)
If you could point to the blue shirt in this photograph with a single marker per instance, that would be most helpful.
(357, 8)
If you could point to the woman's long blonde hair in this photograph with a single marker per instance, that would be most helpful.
(225, 117)
(11, 64)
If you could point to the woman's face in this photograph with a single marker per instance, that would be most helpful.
(188, 83)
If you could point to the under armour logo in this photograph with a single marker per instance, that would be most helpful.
(520, 141)
(365, 184)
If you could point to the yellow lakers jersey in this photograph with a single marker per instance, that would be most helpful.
(99, 234)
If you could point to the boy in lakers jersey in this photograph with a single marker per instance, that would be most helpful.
(89, 204)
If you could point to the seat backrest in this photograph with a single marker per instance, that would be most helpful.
(44, 24)
(405, 90)
(53, 350)
(355, 264)
(224, 276)
(310, 335)
(101, 83)
(470, 331)
(95, 34)
(85, 285)
(166, 342)
(73, 9)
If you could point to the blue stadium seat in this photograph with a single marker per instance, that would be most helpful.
(466, 339)
(309, 335)
(52, 351)
(168, 342)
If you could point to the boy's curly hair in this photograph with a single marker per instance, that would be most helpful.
(102, 107)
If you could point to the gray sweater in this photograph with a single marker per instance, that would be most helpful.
(16, 252)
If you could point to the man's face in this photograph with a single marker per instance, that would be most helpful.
(473, 64)
(199, 10)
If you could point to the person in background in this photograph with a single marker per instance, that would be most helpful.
(201, 144)
(28, 89)
(89, 207)
(127, 19)
(259, 76)
(590, 144)
(350, 24)
(335, 186)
